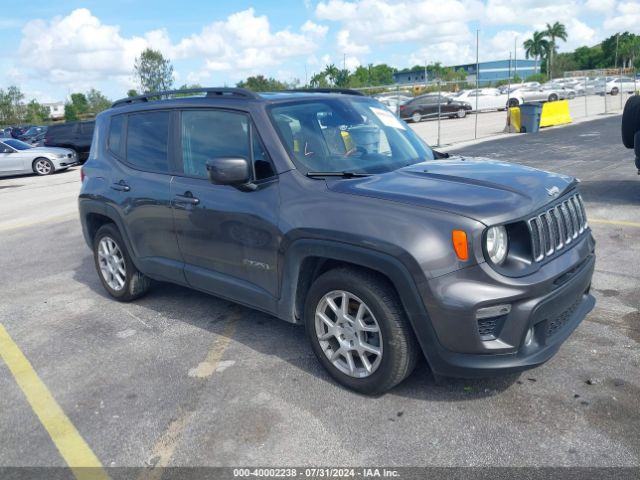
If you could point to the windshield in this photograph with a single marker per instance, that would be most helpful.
(17, 144)
(347, 135)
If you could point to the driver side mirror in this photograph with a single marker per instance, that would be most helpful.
(234, 171)
(449, 100)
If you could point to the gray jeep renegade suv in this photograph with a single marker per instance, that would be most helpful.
(324, 209)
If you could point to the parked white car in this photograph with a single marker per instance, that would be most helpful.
(615, 85)
(17, 157)
(487, 98)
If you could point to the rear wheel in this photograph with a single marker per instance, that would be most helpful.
(358, 330)
(553, 97)
(416, 117)
(119, 276)
(461, 113)
(513, 102)
(615, 91)
(630, 121)
(43, 166)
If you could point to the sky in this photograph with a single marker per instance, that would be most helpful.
(50, 49)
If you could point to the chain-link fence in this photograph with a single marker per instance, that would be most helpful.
(445, 113)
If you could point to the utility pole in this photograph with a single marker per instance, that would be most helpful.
(475, 130)
(515, 57)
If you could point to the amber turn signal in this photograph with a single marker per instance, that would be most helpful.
(460, 244)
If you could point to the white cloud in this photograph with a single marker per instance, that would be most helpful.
(380, 21)
(78, 50)
(600, 5)
(627, 18)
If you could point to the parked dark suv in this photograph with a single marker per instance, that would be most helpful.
(72, 135)
(326, 210)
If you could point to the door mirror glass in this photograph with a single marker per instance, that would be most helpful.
(229, 171)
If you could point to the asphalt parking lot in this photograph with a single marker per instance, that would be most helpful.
(180, 378)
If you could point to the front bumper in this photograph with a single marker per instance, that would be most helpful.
(551, 308)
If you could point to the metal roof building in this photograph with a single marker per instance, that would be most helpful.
(489, 71)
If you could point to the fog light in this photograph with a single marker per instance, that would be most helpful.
(529, 337)
(495, 311)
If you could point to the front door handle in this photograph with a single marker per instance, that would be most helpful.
(188, 198)
(121, 186)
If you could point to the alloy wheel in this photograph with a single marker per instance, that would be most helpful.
(348, 334)
(43, 167)
(112, 265)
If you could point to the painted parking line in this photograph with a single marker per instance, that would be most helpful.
(54, 219)
(76, 453)
(623, 223)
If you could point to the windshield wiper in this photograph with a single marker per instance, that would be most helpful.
(338, 174)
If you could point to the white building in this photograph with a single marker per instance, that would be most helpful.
(56, 110)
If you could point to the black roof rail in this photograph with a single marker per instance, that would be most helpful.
(343, 91)
(211, 92)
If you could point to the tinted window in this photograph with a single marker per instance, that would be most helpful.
(147, 138)
(209, 134)
(115, 134)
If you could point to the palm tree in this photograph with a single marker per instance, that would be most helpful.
(536, 46)
(332, 72)
(557, 30)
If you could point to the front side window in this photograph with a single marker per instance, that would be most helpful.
(147, 141)
(17, 144)
(347, 134)
(208, 134)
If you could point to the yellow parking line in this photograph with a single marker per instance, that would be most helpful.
(75, 451)
(19, 225)
(624, 223)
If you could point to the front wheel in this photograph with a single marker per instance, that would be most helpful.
(615, 91)
(513, 102)
(358, 330)
(119, 276)
(43, 166)
(553, 97)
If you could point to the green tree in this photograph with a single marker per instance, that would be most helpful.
(319, 80)
(588, 58)
(132, 93)
(260, 83)
(12, 109)
(153, 72)
(536, 46)
(555, 31)
(80, 103)
(97, 101)
(70, 112)
(35, 112)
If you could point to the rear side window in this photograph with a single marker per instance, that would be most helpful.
(147, 140)
(115, 134)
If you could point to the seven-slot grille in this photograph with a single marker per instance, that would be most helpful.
(557, 227)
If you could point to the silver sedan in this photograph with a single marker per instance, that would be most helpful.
(17, 157)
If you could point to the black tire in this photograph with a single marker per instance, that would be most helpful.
(513, 102)
(46, 169)
(416, 117)
(615, 91)
(553, 97)
(461, 113)
(630, 120)
(136, 284)
(399, 346)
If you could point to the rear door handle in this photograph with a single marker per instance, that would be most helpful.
(121, 186)
(188, 198)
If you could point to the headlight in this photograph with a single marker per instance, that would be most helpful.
(497, 244)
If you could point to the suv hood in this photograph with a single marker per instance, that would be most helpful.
(486, 190)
